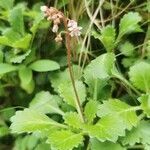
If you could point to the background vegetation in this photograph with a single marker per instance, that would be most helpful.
(111, 65)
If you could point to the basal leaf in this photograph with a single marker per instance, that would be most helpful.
(98, 72)
(145, 104)
(73, 120)
(44, 102)
(124, 111)
(6, 68)
(129, 24)
(20, 58)
(30, 120)
(24, 42)
(97, 145)
(127, 48)
(16, 20)
(107, 37)
(65, 140)
(56, 78)
(140, 76)
(44, 65)
(5, 41)
(107, 128)
(140, 134)
(90, 110)
(25, 75)
(66, 91)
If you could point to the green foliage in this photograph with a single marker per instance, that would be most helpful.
(117, 108)
(44, 65)
(145, 104)
(140, 76)
(44, 102)
(129, 24)
(67, 93)
(6, 68)
(59, 140)
(37, 97)
(30, 120)
(96, 145)
(107, 37)
(140, 134)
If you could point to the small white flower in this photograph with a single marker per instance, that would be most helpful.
(72, 24)
(76, 31)
(55, 28)
(44, 8)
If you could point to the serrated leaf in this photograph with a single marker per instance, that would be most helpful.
(129, 24)
(124, 111)
(16, 20)
(73, 120)
(90, 110)
(65, 140)
(145, 104)
(44, 65)
(44, 102)
(97, 145)
(98, 72)
(140, 76)
(30, 120)
(140, 134)
(66, 91)
(56, 78)
(127, 48)
(24, 42)
(6, 68)
(20, 58)
(107, 37)
(108, 128)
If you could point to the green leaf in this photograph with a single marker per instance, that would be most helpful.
(30, 120)
(16, 20)
(44, 65)
(20, 58)
(6, 68)
(56, 78)
(65, 140)
(145, 104)
(5, 41)
(97, 145)
(107, 37)
(127, 48)
(107, 128)
(11, 35)
(24, 42)
(115, 107)
(140, 134)
(73, 120)
(44, 102)
(66, 91)
(1, 56)
(98, 72)
(129, 24)
(140, 76)
(6, 4)
(25, 75)
(90, 110)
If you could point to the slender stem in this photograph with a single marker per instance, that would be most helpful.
(77, 102)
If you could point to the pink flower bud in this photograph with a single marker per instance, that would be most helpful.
(55, 28)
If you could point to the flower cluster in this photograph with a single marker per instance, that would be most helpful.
(57, 17)
(73, 28)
